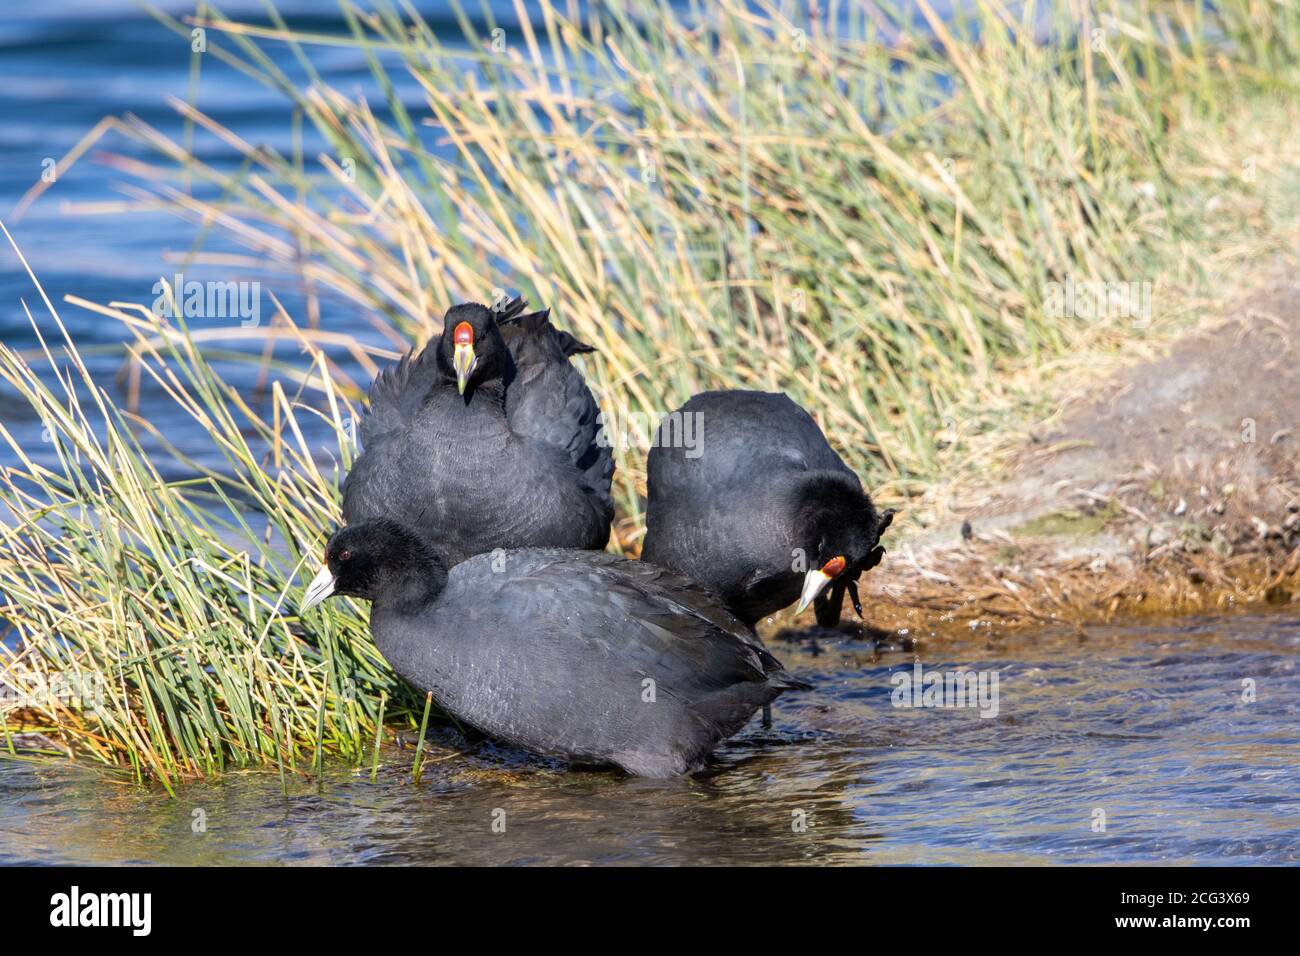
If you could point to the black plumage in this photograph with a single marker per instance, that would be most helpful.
(580, 655)
(759, 506)
(501, 453)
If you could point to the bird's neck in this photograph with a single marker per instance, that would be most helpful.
(490, 394)
(414, 585)
(818, 499)
(479, 397)
(447, 413)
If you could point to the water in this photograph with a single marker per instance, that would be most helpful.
(64, 67)
(1146, 724)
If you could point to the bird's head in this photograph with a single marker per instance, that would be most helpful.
(842, 532)
(374, 559)
(471, 350)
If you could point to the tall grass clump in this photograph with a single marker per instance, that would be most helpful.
(156, 629)
(868, 218)
(868, 212)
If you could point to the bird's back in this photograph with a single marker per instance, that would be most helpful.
(586, 656)
(720, 516)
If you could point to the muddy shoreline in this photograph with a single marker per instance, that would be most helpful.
(1171, 487)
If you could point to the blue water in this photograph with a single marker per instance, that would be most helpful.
(64, 67)
(1135, 745)
(1145, 724)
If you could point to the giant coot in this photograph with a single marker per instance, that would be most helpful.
(762, 511)
(575, 654)
(488, 435)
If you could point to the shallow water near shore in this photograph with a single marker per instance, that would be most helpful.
(1147, 730)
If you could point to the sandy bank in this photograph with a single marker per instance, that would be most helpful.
(1173, 486)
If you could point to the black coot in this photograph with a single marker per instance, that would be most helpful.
(489, 436)
(760, 510)
(574, 654)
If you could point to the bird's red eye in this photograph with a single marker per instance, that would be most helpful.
(464, 334)
(344, 554)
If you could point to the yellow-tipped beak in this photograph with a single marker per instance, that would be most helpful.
(463, 361)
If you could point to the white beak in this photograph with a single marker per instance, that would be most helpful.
(814, 583)
(321, 587)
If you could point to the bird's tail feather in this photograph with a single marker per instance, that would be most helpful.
(787, 681)
(538, 323)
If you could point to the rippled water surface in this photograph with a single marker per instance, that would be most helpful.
(1146, 725)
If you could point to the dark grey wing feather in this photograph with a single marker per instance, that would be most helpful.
(683, 620)
(513, 321)
(548, 400)
(398, 391)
